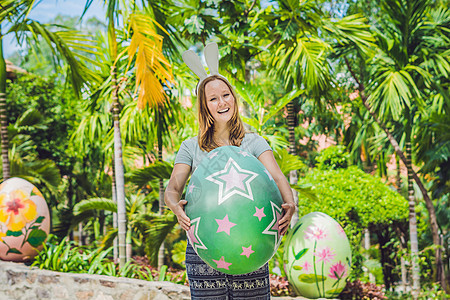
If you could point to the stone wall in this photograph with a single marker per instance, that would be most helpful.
(18, 281)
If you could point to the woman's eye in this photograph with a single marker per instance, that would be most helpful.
(212, 99)
(226, 95)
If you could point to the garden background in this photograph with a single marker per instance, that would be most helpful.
(351, 95)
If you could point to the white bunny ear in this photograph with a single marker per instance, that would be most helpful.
(212, 58)
(193, 62)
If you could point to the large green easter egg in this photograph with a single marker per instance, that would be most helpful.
(317, 257)
(234, 206)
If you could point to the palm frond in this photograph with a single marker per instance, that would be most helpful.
(306, 190)
(157, 170)
(152, 68)
(95, 204)
(62, 44)
(351, 32)
(288, 162)
(156, 234)
(15, 10)
(108, 239)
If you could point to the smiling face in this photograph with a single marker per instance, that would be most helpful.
(220, 101)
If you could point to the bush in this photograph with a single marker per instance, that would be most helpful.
(357, 290)
(333, 158)
(356, 200)
(279, 286)
(66, 256)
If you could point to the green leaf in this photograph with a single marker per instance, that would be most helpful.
(311, 278)
(157, 170)
(301, 253)
(334, 292)
(94, 204)
(162, 273)
(39, 220)
(13, 250)
(14, 233)
(36, 237)
(298, 268)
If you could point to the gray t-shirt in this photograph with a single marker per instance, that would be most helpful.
(191, 154)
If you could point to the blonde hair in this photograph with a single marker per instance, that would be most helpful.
(206, 120)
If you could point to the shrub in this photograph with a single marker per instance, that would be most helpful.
(333, 158)
(357, 290)
(279, 286)
(356, 200)
(66, 256)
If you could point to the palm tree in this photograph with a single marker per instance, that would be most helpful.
(14, 14)
(300, 60)
(149, 127)
(410, 48)
(143, 226)
(152, 70)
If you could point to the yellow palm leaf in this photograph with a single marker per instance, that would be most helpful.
(153, 70)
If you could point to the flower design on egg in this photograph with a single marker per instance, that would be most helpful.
(16, 210)
(337, 271)
(325, 254)
(315, 233)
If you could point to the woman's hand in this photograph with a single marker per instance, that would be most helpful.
(182, 218)
(289, 210)
(174, 190)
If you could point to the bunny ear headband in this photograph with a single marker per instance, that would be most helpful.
(212, 60)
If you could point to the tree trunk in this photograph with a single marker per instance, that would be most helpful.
(367, 247)
(120, 180)
(385, 251)
(161, 185)
(80, 234)
(293, 178)
(3, 120)
(114, 198)
(440, 274)
(413, 227)
(129, 247)
(404, 273)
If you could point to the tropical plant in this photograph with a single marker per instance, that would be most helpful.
(145, 229)
(66, 256)
(333, 158)
(261, 112)
(144, 54)
(405, 71)
(355, 199)
(62, 42)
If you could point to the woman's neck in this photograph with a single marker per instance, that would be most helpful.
(222, 136)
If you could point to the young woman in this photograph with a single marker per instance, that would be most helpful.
(220, 125)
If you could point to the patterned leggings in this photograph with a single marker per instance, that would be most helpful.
(208, 283)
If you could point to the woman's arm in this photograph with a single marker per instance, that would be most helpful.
(173, 193)
(268, 160)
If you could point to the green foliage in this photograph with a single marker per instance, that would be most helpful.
(157, 170)
(428, 291)
(262, 111)
(66, 256)
(288, 162)
(179, 253)
(333, 158)
(355, 199)
(44, 111)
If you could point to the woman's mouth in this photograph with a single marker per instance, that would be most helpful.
(223, 111)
